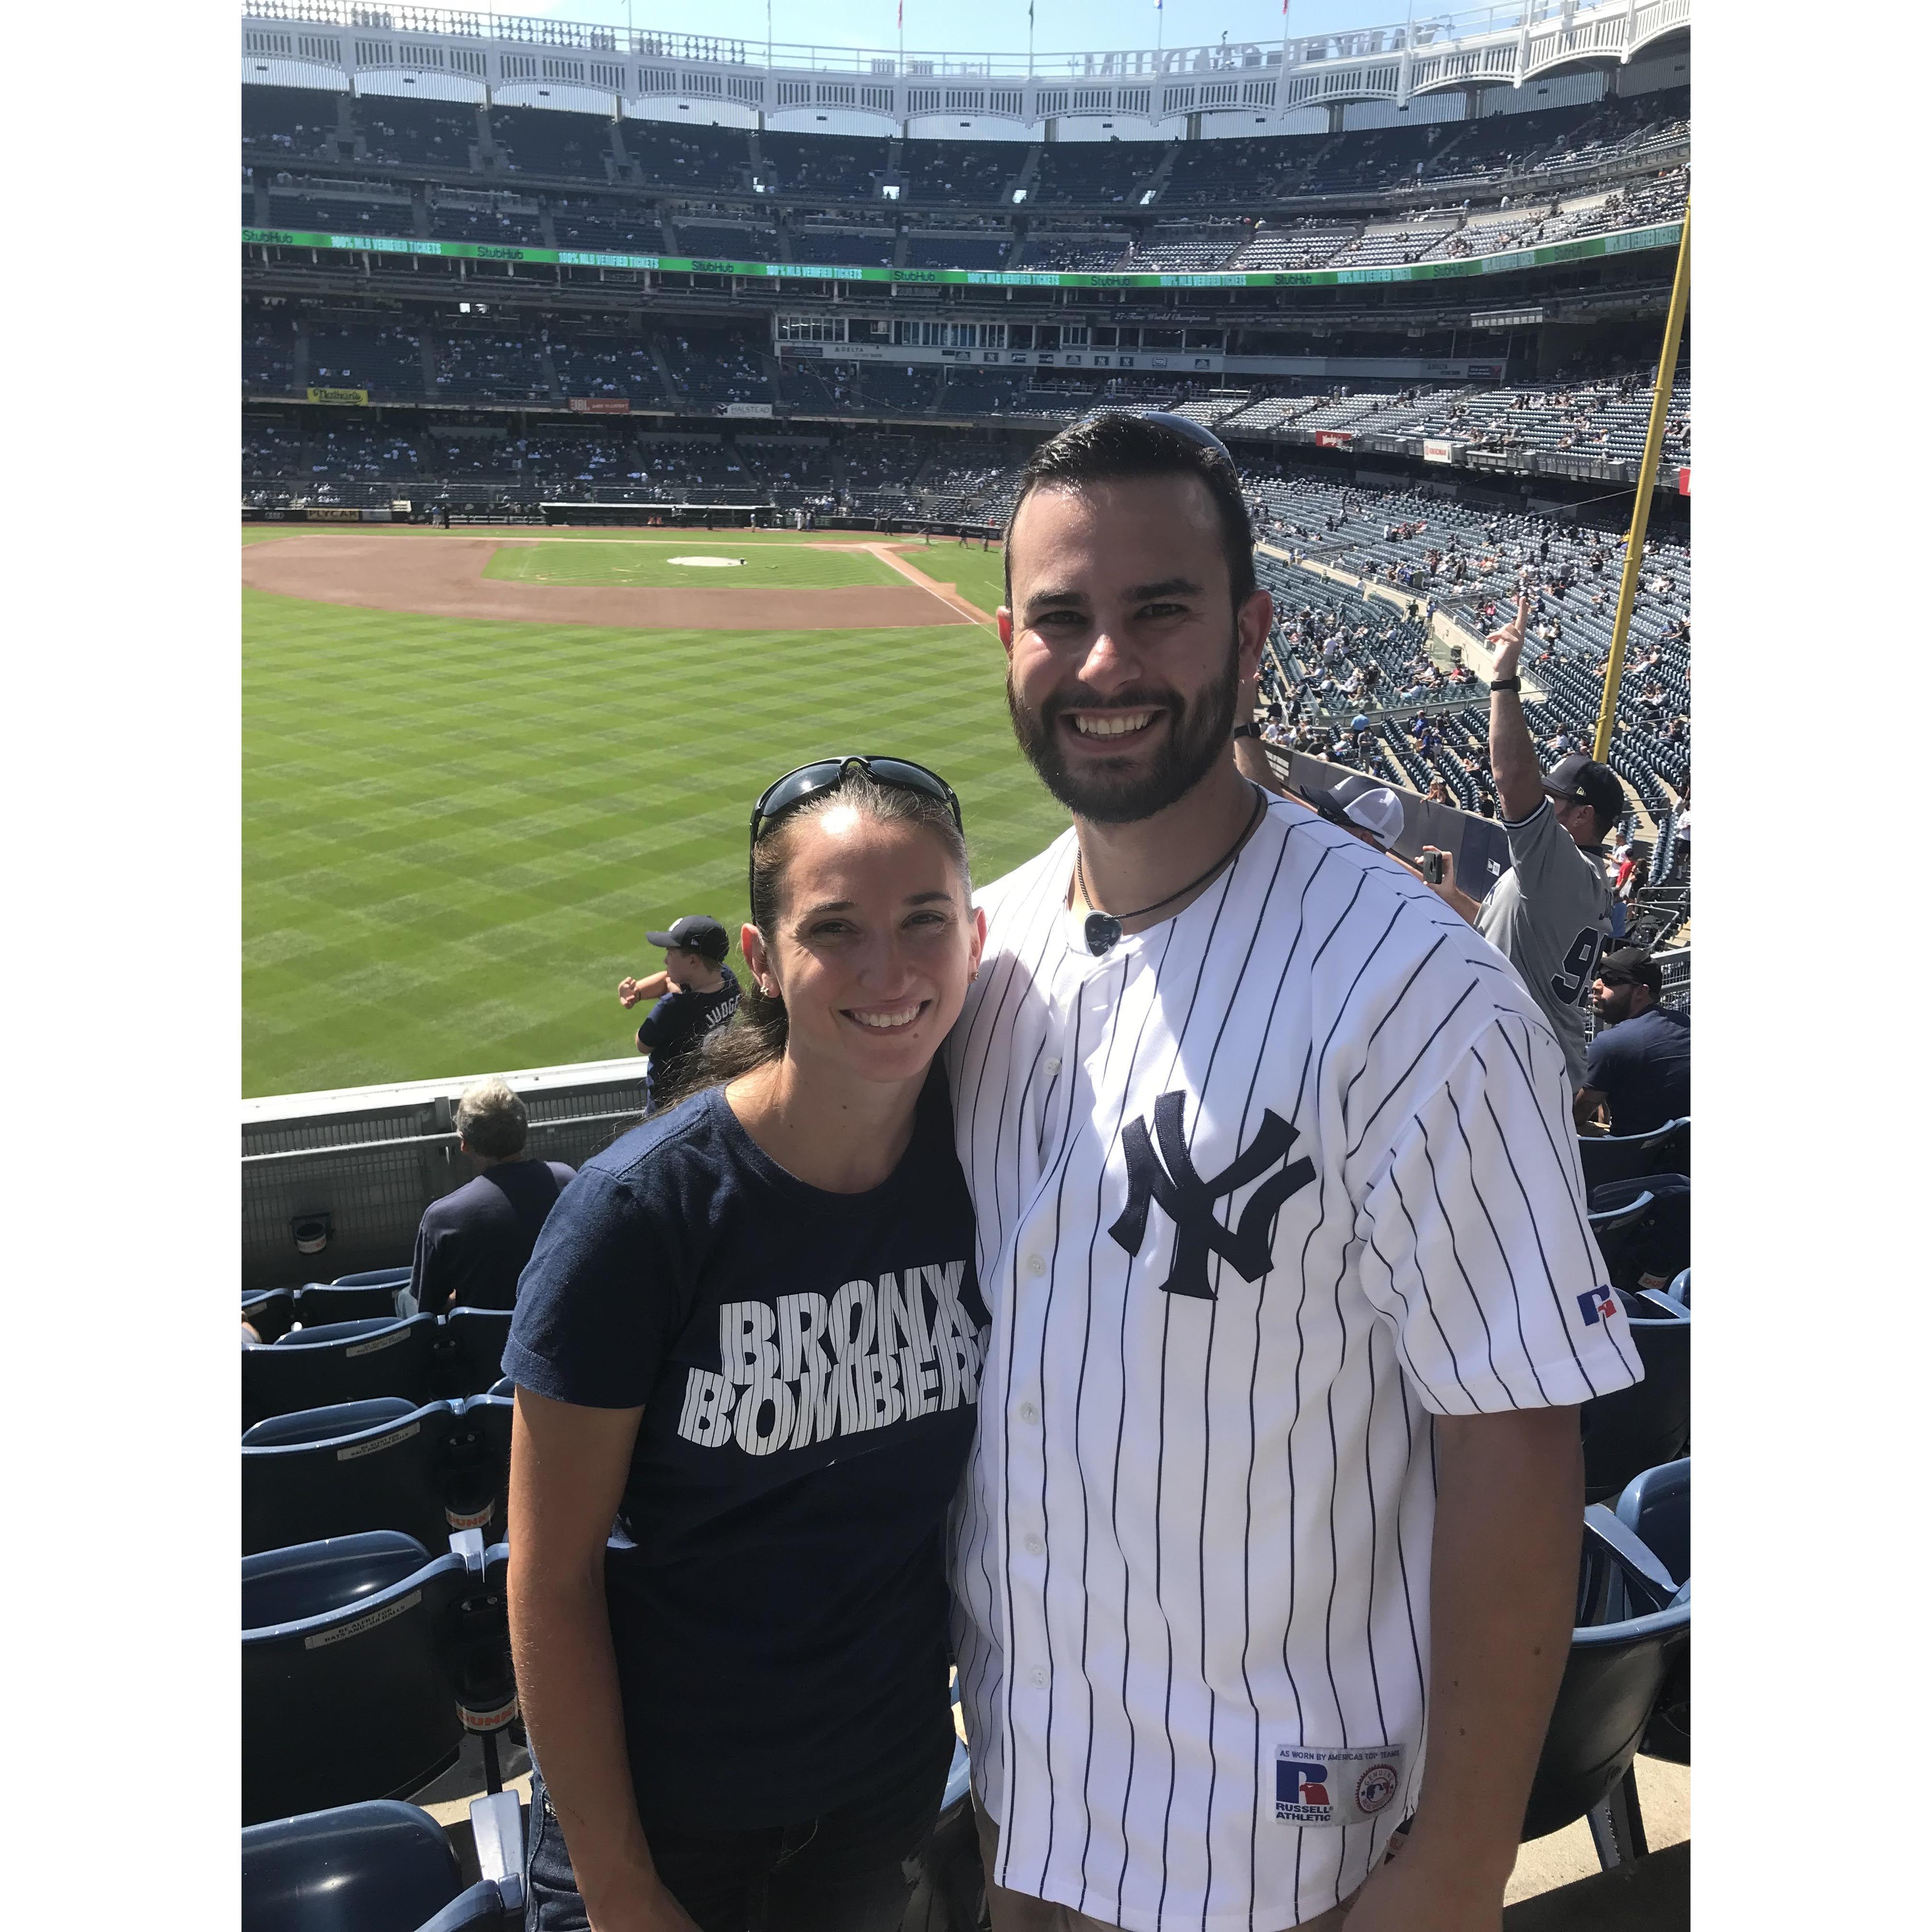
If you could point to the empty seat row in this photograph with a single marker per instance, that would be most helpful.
(424, 1469)
(365, 1662)
(382, 1865)
(420, 1357)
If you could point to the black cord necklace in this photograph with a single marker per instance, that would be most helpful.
(1103, 928)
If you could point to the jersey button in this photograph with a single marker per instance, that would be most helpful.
(1051, 1066)
(1040, 1677)
(1035, 1264)
(1028, 1413)
(1034, 1546)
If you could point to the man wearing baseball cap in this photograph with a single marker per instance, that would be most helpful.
(1639, 1067)
(1550, 914)
(696, 994)
(1374, 816)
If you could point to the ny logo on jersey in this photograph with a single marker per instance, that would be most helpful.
(1167, 1179)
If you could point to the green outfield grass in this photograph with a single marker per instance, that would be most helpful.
(457, 833)
(634, 562)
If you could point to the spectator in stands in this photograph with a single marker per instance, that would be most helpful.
(1550, 913)
(1638, 1070)
(472, 1244)
(678, 1353)
(696, 993)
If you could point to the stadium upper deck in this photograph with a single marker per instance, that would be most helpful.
(1276, 85)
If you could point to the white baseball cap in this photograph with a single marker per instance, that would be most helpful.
(1378, 811)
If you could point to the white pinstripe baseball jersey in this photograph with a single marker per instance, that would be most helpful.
(1257, 1192)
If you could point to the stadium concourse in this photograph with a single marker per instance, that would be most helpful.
(1429, 340)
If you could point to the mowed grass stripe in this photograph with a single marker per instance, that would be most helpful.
(456, 834)
(581, 561)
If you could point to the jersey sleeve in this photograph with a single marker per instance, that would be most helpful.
(661, 1024)
(1536, 846)
(1475, 1247)
(599, 1303)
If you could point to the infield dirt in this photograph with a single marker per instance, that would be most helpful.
(440, 574)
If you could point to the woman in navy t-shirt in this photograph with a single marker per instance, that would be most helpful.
(751, 1333)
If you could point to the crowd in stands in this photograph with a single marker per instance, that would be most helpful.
(841, 240)
(1456, 172)
(1438, 558)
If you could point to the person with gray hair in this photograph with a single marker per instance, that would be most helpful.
(473, 1243)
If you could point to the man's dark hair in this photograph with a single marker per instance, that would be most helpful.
(1111, 445)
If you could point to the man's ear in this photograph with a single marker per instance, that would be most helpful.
(1003, 621)
(1251, 622)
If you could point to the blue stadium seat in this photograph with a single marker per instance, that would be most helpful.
(1679, 1290)
(385, 1463)
(269, 1312)
(1608, 1157)
(340, 1361)
(324, 1301)
(1643, 1227)
(1635, 1428)
(1656, 1507)
(1632, 1623)
(473, 1358)
(385, 1277)
(1616, 1224)
(382, 1866)
(365, 1660)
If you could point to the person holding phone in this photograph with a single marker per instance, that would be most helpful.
(751, 1335)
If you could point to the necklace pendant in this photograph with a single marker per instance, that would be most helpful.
(1103, 933)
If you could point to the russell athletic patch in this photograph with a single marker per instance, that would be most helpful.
(1320, 1785)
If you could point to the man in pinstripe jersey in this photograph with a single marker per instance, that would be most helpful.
(1280, 1224)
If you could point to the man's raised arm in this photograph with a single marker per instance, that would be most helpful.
(1513, 759)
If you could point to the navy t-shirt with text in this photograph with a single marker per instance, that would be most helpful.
(808, 1366)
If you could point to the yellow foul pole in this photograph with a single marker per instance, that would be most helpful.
(1653, 452)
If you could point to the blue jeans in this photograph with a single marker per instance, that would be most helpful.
(840, 1872)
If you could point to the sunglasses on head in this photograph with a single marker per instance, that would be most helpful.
(824, 775)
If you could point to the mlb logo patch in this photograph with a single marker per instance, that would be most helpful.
(1598, 1304)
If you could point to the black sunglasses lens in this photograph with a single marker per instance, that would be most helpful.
(916, 778)
(799, 785)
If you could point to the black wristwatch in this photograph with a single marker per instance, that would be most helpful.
(1505, 684)
(1247, 731)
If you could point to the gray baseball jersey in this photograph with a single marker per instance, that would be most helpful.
(1550, 916)
(1257, 1192)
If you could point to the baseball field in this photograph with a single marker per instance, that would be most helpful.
(478, 765)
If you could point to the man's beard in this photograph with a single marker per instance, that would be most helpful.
(1197, 737)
